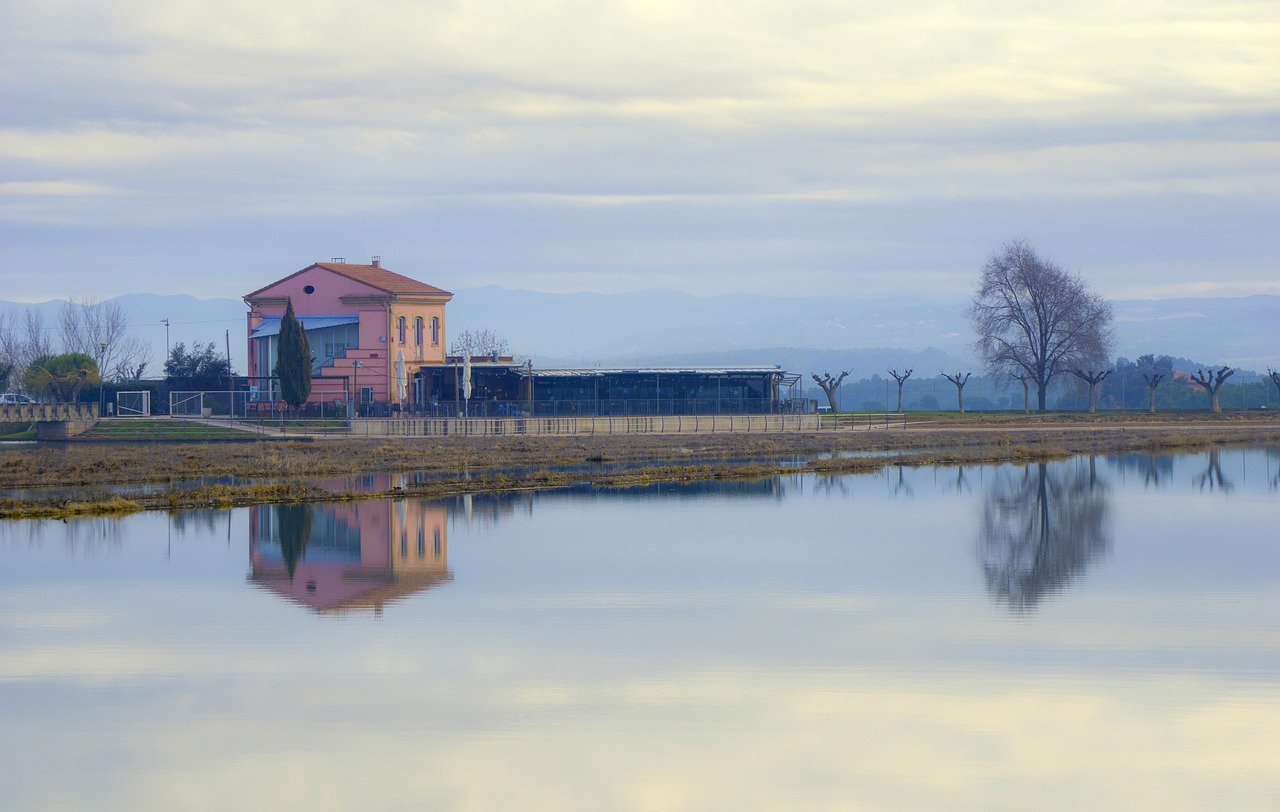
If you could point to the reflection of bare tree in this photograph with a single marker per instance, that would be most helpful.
(1041, 527)
(831, 484)
(1153, 468)
(196, 520)
(962, 481)
(1212, 478)
(901, 487)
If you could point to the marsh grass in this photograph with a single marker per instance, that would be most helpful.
(488, 464)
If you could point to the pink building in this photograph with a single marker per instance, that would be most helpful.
(370, 332)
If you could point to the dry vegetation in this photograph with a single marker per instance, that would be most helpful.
(277, 471)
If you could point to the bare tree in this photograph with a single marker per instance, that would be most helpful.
(100, 330)
(1034, 317)
(22, 340)
(479, 342)
(829, 385)
(1275, 379)
(1152, 380)
(35, 339)
(1092, 378)
(1024, 379)
(901, 379)
(959, 382)
(1212, 383)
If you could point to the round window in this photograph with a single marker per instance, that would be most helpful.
(309, 289)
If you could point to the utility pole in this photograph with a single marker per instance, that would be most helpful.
(231, 394)
(165, 322)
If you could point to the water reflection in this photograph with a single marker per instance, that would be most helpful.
(1155, 469)
(1041, 526)
(349, 555)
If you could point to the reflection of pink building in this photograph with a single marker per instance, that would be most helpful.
(352, 314)
(348, 555)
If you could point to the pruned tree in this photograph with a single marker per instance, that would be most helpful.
(1032, 316)
(901, 379)
(293, 360)
(101, 331)
(1024, 378)
(829, 385)
(1152, 380)
(61, 377)
(959, 380)
(1212, 382)
(1275, 379)
(1092, 378)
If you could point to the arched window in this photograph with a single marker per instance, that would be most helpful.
(435, 329)
(417, 330)
(401, 324)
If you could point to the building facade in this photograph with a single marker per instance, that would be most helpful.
(369, 330)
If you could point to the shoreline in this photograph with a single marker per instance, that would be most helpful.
(285, 471)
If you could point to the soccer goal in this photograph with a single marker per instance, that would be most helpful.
(133, 404)
(186, 404)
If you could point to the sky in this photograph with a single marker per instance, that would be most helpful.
(786, 149)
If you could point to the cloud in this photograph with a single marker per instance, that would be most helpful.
(214, 113)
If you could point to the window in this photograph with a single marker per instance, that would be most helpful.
(435, 329)
(366, 394)
(401, 323)
(417, 330)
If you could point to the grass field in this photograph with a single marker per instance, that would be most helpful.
(279, 468)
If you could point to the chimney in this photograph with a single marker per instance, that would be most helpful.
(377, 262)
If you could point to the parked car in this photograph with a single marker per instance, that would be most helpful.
(11, 398)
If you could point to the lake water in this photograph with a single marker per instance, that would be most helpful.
(1097, 634)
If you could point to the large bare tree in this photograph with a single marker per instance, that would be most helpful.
(1033, 317)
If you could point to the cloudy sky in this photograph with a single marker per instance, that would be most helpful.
(781, 148)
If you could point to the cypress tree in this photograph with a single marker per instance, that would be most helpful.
(293, 360)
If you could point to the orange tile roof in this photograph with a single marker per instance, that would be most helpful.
(381, 278)
(375, 276)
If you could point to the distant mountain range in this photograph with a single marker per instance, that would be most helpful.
(804, 334)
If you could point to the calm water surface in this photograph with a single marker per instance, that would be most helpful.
(1097, 634)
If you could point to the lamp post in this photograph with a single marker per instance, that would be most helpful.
(102, 353)
(355, 385)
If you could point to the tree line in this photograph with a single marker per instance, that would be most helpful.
(88, 347)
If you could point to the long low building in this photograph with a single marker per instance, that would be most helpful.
(503, 387)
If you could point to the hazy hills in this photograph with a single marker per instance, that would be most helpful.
(802, 334)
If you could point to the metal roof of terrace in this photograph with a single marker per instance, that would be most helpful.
(271, 324)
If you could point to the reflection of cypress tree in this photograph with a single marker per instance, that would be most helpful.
(294, 522)
(1041, 529)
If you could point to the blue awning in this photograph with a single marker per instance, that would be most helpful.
(271, 324)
